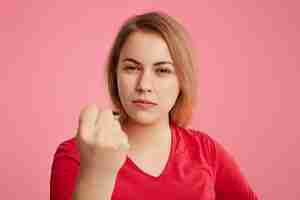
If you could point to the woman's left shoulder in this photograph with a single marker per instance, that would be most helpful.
(199, 136)
(199, 140)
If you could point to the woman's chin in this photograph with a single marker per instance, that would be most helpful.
(145, 119)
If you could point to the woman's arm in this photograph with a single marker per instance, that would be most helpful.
(94, 186)
(68, 182)
(230, 183)
(65, 168)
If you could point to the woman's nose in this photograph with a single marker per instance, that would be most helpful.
(144, 83)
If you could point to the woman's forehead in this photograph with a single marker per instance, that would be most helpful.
(145, 47)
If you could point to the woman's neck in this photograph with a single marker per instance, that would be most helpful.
(143, 136)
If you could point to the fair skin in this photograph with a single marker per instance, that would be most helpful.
(145, 70)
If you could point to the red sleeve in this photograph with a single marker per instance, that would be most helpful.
(64, 171)
(230, 183)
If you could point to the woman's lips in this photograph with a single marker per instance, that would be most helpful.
(143, 104)
(143, 101)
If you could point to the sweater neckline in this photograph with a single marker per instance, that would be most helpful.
(167, 164)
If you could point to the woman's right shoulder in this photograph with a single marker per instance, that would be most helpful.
(64, 170)
(68, 149)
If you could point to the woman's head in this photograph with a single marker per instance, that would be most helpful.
(151, 59)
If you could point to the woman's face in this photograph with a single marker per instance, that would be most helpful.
(145, 71)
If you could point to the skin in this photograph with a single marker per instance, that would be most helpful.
(141, 76)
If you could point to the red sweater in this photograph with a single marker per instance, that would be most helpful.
(198, 168)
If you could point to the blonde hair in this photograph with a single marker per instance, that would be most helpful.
(182, 54)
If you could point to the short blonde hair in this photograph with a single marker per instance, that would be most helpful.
(182, 54)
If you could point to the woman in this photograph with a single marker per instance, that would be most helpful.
(147, 152)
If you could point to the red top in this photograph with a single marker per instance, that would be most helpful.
(198, 168)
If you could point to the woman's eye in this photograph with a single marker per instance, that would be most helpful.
(164, 70)
(130, 68)
(159, 70)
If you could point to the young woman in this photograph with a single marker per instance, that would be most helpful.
(147, 152)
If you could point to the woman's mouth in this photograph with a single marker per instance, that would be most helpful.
(143, 104)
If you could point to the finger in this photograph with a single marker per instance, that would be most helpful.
(105, 118)
(125, 143)
(87, 119)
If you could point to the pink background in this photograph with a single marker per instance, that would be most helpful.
(52, 53)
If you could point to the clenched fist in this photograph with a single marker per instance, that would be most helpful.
(103, 146)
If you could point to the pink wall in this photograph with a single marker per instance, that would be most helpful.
(52, 53)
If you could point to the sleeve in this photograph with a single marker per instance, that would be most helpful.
(65, 168)
(230, 183)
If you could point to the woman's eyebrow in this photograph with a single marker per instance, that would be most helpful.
(155, 64)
